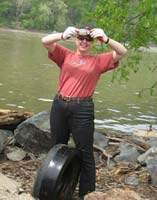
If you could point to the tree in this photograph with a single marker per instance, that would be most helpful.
(45, 15)
(34, 14)
(77, 10)
(7, 11)
(59, 14)
(133, 23)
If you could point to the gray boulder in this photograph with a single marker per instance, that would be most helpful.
(151, 164)
(100, 140)
(4, 137)
(153, 142)
(34, 133)
(147, 155)
(128, 153)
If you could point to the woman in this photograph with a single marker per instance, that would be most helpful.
(73, 109)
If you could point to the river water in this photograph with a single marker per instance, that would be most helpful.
(28, 82)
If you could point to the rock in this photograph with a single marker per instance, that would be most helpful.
(114, 194)
(151, 152)
(95, 196)
(152, 169)
(16, 154)
(8, 188)
(25, 196)
(4, 136)
(132, 180)
(120, 194)
(34, 133)
(128, 153)
(153, 142)
(100, 140)
(31, 133)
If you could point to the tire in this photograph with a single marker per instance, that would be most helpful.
(58, 175)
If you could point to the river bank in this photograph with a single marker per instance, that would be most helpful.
(151, 48)
(34, 32)
(126, 162)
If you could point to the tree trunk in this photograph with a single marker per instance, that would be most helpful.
(9, 119)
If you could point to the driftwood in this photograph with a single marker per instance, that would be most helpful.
(147, 134)
(136, 142)
(9, 119)
(103, 151)
(108, 156)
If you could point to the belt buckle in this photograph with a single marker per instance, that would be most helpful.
(68, 98)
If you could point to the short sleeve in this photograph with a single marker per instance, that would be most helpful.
(106, 62)
(58, 54)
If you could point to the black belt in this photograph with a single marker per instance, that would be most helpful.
(66, 98)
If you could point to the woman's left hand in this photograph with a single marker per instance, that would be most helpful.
(99, 33)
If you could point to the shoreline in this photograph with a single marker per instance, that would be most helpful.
(23, 31)
(151, 48)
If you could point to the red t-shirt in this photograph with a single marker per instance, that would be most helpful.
(79, 74)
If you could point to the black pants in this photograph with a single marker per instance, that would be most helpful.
(76, 118)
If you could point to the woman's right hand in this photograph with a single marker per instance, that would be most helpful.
(69, 32)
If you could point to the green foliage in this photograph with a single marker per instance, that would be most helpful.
(77, 10)
(7, 12)
(44, 14)
(131, 22)
(34, 14)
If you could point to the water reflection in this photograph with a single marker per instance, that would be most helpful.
(45, 100)
(124, 128)
(28, 81)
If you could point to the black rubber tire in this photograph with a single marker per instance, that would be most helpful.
(58, 175)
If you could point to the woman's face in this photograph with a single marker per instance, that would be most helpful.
(84, 44)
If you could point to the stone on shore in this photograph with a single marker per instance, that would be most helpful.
(114, 194)
(4, 137)
(9, 190)
(128, 153)
(15, 154)
(34, 133)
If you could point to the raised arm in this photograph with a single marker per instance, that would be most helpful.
(50, 40)
(119, 51)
